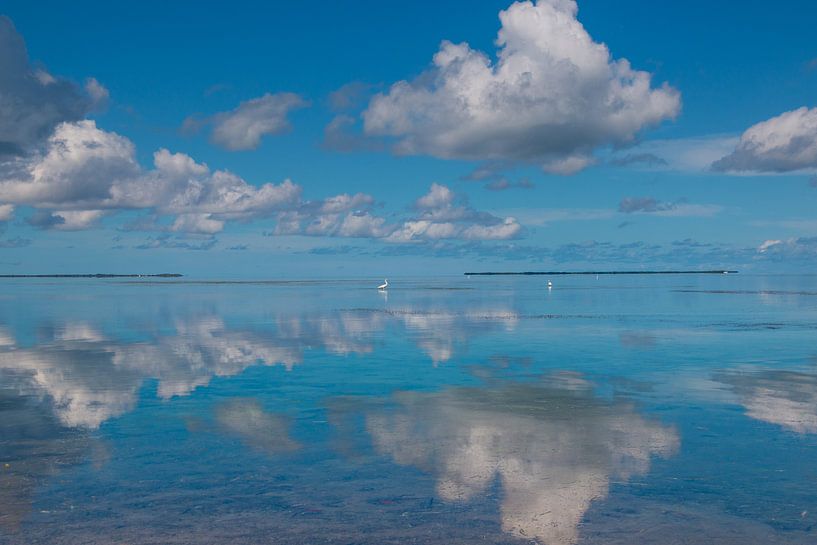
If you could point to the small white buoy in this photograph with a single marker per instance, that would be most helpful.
(550, 284)
(384, 285)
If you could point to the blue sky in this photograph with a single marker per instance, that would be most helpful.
(546, 150)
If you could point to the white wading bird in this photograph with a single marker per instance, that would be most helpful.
(384, 285)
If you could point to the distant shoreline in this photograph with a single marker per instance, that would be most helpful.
(96, 275)
(567, 273)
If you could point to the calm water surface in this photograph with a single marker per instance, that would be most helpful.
(615, 410)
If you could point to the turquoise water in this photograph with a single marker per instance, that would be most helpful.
(452, 410)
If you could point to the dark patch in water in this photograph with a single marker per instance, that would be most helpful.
(747, 292)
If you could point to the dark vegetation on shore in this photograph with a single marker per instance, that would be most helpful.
(96, 275)
(564, 273)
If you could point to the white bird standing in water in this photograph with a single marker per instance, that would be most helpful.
(384, 285)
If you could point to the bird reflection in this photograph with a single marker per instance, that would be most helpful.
(554, 447)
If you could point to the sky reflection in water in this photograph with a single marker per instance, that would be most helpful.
(498, 412)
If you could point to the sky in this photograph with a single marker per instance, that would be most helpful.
(266, 140)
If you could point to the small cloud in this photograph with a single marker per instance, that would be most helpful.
(489, 170)
(350, 96)
(243, 127)
(44, 77)
(681, 154)
(545, 216)
(785, 143)
(336, 250)
(503, 183)
(691, 243)
(338, 135)
(646, 159)
(216, 88)
(793, 249)
(499, 185)
(630, 205)
(166, 241)
(438, 196)
(652, 206)
(508, 229)
(768, 244)
(492, 173)
(99, 93)
(192, 125)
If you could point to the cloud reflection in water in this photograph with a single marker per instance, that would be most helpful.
(787, 398)
(554, 447)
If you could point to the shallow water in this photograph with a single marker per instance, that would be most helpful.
(455, 410)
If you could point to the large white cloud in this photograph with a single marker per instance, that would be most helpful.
(78, 168)
(784, 143)
(551, 97)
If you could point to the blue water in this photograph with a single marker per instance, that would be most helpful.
(671, 409)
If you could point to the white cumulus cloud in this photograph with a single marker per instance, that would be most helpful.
(84, 171)
(439, 214)
(784, 143)
(442, 215)
(552, 96)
